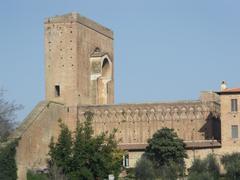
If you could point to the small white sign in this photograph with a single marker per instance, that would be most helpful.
(110, 177)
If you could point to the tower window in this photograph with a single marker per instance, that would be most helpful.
(234, 105)
(57, 90)
(107, 88)
(126, 160)
(234, 131)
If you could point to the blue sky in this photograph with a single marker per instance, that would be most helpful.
(164, 50)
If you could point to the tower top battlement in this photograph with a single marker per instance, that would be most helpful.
(76, 17)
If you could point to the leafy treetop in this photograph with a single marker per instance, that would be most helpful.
(165, 147)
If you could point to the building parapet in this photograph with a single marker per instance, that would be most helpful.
(75, 17)
(150, 111)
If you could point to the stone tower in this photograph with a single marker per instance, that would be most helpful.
(78, 61)
(230, 119)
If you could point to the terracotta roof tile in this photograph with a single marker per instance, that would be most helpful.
(231, 90)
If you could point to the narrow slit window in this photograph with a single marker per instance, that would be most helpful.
(107, 88)
(126, 160)
(234, 131)
(234, 105)
(57, 90)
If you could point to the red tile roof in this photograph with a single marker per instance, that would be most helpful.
(229, 91)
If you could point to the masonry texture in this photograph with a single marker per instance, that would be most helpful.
(71, 42)
(79, 68)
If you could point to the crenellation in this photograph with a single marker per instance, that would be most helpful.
(72, 18)
(162, 111)
(143, 120)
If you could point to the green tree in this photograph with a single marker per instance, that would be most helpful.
(231, 164)
(167, 153)
(165, 148)
(207, 168)
(144, 169)
(8, 167)
(86, 156)
(60, 152)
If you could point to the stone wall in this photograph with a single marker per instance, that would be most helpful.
(192, 120)
(35, 134)
(136, 123)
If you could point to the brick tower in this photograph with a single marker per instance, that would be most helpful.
(78, 61)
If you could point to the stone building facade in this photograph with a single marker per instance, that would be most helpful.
(79, 68)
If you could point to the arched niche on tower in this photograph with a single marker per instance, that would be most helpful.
(101, 76)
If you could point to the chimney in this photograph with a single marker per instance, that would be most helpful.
(223, 86)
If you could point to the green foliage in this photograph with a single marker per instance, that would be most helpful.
(167, 153)
(85, 155)
(61, 151)
(232, 165)
(170, 171)
(54, 172)
(144, 170)
(130, 173)
(213, 166)
(207, 168)
(199, 176)
(34, 176)
(165, 147)
(8, 167)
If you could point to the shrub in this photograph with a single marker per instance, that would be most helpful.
(34, 176)
(144, 169)
(130, 174)
(231, 164)
(170, 171)
(8, 167)
(199, 176)
(207, 168)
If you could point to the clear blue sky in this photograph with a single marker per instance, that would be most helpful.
(164, 50)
